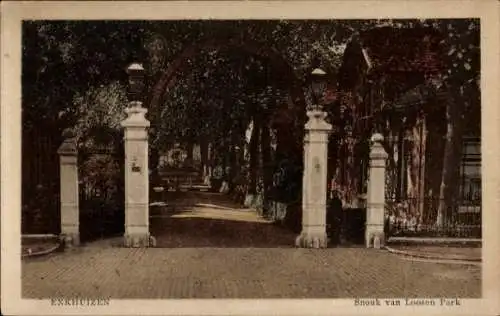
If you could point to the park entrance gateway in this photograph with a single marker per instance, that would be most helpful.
(136, 178)
(360, 126)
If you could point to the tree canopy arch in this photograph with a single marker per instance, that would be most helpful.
(287, 77)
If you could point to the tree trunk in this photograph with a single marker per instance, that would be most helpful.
(336, 177)
(451, 160)
(416, 166)
(254, 157)
(280, 142)
(400, 190)
(204, 157)
(232, 159)
(421, 176)
(267, 167)
(391, 141)
(331, 162)
(154, 159)
(189, 152)
(350, 183)
(434, 164)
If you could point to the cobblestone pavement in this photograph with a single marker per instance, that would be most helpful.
(243, 273)
(228, 258)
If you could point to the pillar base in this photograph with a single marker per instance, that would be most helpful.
(139, 240)
(374, 239)
(70, 240)
(311, 240)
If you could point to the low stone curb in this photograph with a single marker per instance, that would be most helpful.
(435, 240)
(43, 252)
(206, 205)
(416, 254)
(201, 205)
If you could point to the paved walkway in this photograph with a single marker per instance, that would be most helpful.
(217, 252)
(243, 273)
(203, 219)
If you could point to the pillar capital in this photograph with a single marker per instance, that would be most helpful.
(69, 144)
(317, 121)
(136, 116)
(377, 151)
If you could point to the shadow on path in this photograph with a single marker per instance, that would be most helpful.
(193, 198)
(206, 232)
(203, 219)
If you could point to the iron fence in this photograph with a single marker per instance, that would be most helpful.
(102, 196)
(433, 217)
(40, 180)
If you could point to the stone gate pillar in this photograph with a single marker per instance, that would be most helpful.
(136, 177)
(374, 233)
(314, 183)
(70, 222)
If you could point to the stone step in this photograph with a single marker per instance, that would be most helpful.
(183, 187)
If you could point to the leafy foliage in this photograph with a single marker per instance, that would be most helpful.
(100, 111)
(64, 58)
(74, 78)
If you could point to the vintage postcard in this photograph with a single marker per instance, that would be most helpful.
(250, 158)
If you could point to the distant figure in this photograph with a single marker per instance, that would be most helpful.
(217, 177)
(206, 180)
(218, 172)
(404, 221)
(224, 188)
(279, 190)
(392, 219)
(391, 222)
(412, 223)
(334, 217)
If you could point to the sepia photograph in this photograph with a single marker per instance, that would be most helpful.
(262, 158)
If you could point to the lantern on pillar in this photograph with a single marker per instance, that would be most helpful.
(135, 72)
(318, 87)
